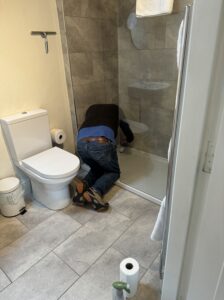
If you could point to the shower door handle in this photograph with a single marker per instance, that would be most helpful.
(176, 125)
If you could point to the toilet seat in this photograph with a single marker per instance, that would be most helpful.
(52, 163)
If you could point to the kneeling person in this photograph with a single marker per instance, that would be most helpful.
(96, 146)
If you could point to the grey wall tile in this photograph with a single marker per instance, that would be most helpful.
(111, 91)
(130, 65)
(11, 229)
(88, 94)
(19, 256)
(124, 8)
(80, 112)
(83, 34)
(172, 29)
(4, 281)
(75, 8)
(130, 107)
(161, 144)
(144, 57)
(104, 9)
(145, 142)
(110, 9)
(98, 9)
(158, 119)
(160, 122)
(154, 64)
(92, 240)
(109, 35)
(124, 39)
(60, 9)
(110, 65)
(149, 33)
(48, 279)
(87, 67)
(91, 31)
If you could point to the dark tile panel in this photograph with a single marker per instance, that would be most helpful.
(109, 35)
(83, 34)
(110, 65)
(99, 9)
(87, 67)
(111, 91)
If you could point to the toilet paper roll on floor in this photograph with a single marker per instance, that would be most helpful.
(58, 136)
(129, 272)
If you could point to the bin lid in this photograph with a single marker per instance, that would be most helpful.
(8, 184)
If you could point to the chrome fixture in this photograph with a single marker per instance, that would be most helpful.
(44, 35)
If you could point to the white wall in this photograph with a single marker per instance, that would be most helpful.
(30, 78)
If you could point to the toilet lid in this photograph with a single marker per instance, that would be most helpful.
(53, 163)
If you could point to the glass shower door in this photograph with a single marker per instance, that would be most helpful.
(147, 92)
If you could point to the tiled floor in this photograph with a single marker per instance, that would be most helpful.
(75, 254)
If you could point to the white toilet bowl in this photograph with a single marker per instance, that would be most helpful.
(28, 139)
(50, 173)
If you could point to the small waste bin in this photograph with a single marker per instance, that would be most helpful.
(11, 197)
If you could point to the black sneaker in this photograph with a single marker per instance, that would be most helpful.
(96, 201)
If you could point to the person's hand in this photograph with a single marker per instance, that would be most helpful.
(123, 141)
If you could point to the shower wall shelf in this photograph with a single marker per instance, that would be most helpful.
(44, 35)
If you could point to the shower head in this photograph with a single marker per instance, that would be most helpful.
(132, 21)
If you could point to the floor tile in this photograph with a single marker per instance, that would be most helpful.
(130, 204)
(19, 256)
(96, 283)
(113, 193)
(36, 213)
(10, 230)
(48, 279)
(136, 242)
(87, 244)
(150, 286)
(4, 281)
(80, 214)
(99, 277)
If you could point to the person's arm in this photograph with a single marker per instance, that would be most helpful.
(126, 131)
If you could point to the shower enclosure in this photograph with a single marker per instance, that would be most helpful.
(112, 57)
(147, 75)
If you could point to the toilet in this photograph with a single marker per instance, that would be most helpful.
(50, 169)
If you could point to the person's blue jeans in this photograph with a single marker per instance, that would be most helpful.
(103, 161)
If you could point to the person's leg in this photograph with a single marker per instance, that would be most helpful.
(102, 158)
(110, 175)
(84, 150)
(105, 156)
(81, 185)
